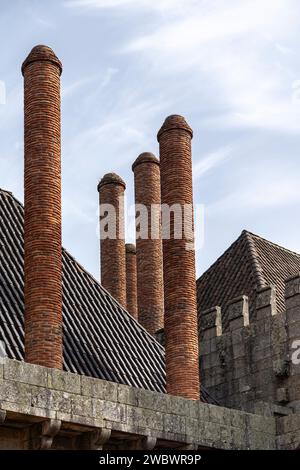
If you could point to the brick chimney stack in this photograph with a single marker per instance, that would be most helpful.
(113, 265)
(181, 332)
(149, 251)
(131, 283)
(42, 223)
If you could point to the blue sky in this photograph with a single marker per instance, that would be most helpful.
(232, 68)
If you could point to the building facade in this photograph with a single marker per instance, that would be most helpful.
(78, 371)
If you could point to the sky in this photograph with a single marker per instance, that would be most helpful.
(232, 68)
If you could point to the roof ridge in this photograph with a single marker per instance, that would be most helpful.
(10, 193)
(219, 257)
(256, 267)
(271, 243)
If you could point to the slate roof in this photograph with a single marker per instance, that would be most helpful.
(100, 338)
(250, 263)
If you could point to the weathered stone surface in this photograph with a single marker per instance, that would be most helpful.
(292, 286)
(266, 297)
(239, 309)
(111, 411)
(83, 406)
(26, 373)
(15, 392)
(146, 419)
(282, 395)
(65, 381)
(100, 388)
(211, 319)
(249, 362)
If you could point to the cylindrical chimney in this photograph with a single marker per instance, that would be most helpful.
(181, 332)
(42, 218)
(112, 243)
(131, 285)
(148, 242)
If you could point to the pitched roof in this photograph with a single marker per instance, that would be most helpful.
(100, 338)
(250, 263)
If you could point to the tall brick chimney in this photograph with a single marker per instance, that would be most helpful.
(131, 285)
(149, 251)
(113, 265)
(181, 332)
(42, 224)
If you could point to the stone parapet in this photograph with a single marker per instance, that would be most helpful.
(98, 411)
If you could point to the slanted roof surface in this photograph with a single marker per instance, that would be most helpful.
(250, 263)
(100, 338)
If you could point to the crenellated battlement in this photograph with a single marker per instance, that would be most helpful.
(247, 362)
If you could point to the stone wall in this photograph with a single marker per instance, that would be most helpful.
(288, 430)
(250, 366)
(43, 407)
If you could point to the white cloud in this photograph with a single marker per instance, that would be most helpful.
(74, 87)
(211, 161)
(12, 106)
(2, 92)
(45, 23)
(160, 5)
(264, 193)
(244, 50)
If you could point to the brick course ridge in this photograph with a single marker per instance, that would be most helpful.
(111, 178)
(130, 248)
(174, 122)
(112, 251)
(181, 331)
(145, 157)
(131, 282)
(41, 53)
(149, 259)
(42, 189)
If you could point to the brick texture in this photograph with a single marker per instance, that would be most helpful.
(149, 251)
(42, 240)
(131, 283)
(112, 253)
(182, 357)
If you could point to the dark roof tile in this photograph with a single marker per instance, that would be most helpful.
(100, 338)
(250, 263)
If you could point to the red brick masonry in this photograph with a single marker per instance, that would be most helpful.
(182, 357)
(113, 266)
(148, 251)
(131, 285)
(43, 258)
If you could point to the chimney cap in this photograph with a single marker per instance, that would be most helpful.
(130, 248)
(145, 157)
(41, 53)
(111, 178)
(174, 121)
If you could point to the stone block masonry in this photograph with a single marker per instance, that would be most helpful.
(83, 412)
(254, 365)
